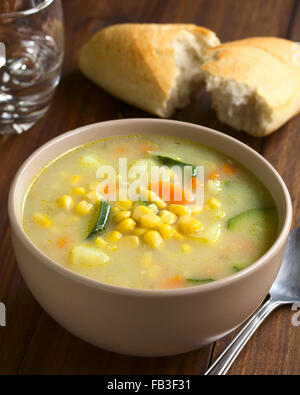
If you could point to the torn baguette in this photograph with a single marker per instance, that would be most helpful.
(152, 66)
(254, 83)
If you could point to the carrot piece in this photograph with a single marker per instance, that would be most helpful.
(62, 242)
(214, 176)
(196, 183)
(228, 169)
(240, 245)
(111, 187)
(120, 150)
(161, 187)
(145, 147)
(172, 283)
(246, 245)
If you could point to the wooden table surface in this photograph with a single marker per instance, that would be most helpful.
(32, 343)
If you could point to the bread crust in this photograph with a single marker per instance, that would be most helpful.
(267, 66)
(136, 63)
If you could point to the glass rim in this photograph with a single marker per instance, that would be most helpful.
(29, 11)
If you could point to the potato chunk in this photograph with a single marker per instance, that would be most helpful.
(85, 256)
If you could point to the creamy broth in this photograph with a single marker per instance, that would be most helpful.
(150, 244)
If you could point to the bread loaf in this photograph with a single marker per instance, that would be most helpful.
(152, 66)
(254, 83)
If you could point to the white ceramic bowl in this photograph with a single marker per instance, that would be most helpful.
(146, 322)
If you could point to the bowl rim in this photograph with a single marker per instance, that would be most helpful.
(227, 281)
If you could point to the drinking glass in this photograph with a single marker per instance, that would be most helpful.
(31, 54)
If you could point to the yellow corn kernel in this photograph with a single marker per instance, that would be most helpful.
(83, 207)
(146, 260)
(114, 236)
(152, 197)
(100, 242)
(139, 231)
(139, 211)
(94, 196)
(131, 241)
(78, 191)
(42, 220)
(166, 231)
(168, 217)
(112, 248)
(65, 202)
(153, 207)
(154, 271)
(189, 225)
(186, 248)
(126, 225)
(75, 179)
(213, 203)
(150, 220)
(179, 210)
(153, 238)
(147, 195)
(178, 236)
(160, 203)
(125, 205)
(196, 210)
(120, 216)
(115, 209)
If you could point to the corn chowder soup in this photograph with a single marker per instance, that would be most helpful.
(149, 243)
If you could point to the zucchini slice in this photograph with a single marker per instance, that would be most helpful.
(169, 160)
(240, 266)
(258, 224)
(102, 220)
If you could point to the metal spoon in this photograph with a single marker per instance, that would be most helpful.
(285, 290)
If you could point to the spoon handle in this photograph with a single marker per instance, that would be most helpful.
(226, 359)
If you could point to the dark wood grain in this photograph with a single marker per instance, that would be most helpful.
(66, 354)
(32, 342)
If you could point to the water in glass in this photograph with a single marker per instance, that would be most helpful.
(32, 60)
